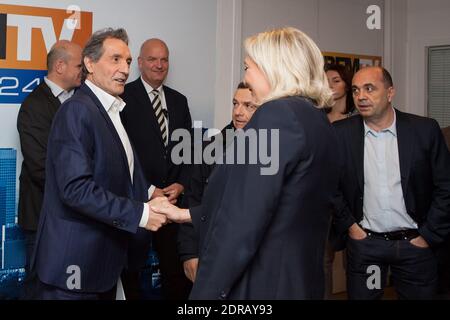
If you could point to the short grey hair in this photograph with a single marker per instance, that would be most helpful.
(94, 47)
(59, 51)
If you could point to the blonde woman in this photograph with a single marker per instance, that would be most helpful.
(263, 236)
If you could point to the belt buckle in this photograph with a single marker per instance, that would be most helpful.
(404, 235)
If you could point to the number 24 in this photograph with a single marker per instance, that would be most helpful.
(25, 89)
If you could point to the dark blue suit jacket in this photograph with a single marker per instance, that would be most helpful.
(88, 217)
(263, 236)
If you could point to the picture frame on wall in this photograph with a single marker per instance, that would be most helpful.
(352, 61)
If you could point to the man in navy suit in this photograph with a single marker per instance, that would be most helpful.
(153, 112)
(95, 193)
(394, 199)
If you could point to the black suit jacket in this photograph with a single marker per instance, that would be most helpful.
(424, 169)
(265, 234)
(33, 123)
(187, 235)
(143, 130)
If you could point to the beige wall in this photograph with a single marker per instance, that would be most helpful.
(417, 25)
(334, 25)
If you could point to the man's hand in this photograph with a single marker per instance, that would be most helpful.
(155, 220)
(163, 206)
(173, 192)
(356, 233)
(157, 193)
(419, 242)
(190, 268)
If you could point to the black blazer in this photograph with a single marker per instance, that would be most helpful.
(263, 236)
(424, 169)
(33, 123)
(142, 127)
(187, 236)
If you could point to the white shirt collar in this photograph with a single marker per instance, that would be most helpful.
(108, 101)
(149, 88)
(55, 89)
(392, 128)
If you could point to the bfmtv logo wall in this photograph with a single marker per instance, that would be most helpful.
(26, 36)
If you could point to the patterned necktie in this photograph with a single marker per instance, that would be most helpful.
(160, 117)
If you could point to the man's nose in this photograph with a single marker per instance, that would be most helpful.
(362, 95)
(238, 109)
(125, 68)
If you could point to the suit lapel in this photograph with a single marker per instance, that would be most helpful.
(170, 110)
(405, 148)
(110, 125)
(357, 134)
(144, 101)
(140, 187)
(54, 102)
(172, 114)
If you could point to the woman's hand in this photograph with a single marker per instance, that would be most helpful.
(163, 206)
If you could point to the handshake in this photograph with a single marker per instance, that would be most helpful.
(161, 212)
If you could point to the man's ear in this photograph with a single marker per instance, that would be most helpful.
(59, 66)
(391, 94)
(140, 62)
(88, 64)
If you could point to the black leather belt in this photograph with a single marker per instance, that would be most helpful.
(394, 235)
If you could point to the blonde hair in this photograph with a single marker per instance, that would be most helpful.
(292, 63)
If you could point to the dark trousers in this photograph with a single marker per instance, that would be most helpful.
(328, 270)
(330, 254)
(131, 281)
(443, 256)
(413, 269)
(48, 292)
(174, 284)
(30, 283)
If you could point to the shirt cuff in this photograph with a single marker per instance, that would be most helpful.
(144, 218)
(150, 191)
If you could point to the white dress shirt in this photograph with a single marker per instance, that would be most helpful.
(57, 91)
(383, 205)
